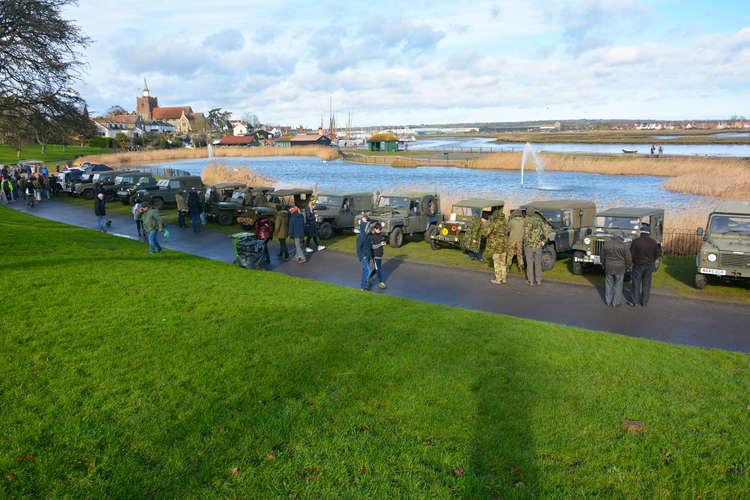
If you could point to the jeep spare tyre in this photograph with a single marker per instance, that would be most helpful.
(397, 237)
(549, 257)
(325, 231)
(225, 218)
(429, 205)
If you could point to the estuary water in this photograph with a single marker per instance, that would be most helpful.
(340, 175)
(489, 144)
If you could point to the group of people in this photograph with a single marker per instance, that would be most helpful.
(370, 250)
(24, 183)
(301, 227)
(654, 150)
(190, 204)
(639, 260)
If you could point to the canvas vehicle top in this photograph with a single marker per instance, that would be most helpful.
(405, 213)
(337, 209)
(168, 187)
(452, 232)
(241, 201)
(725, 251)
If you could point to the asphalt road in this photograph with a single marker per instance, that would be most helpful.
(667, 319)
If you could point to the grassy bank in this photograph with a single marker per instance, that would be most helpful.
(55, 153)
(162, 155)
(174, 376)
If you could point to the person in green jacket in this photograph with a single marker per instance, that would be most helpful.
(281, 232)
(496, 233)
(535, 234)
(474, 239)
(153, 225)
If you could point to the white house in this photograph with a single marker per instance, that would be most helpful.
(241, 127)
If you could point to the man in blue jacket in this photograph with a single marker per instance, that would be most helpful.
(297, 232)
(364, 251)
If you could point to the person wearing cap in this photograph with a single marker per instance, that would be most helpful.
(616, 261)
(100, 211)
(297, 232)
(644, 251)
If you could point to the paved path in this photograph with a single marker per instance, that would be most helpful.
(667, 319)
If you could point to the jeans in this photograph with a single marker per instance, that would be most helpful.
(533, 264)
(153, 242)
(181, 219)
(100, 219)
(311, 234)
(613, 290)
(139, 227)
(641, 284)
(283, 250)
(196, 219)
(378, 268)
(365, 261)
(299, 254)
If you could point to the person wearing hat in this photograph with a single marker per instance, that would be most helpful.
(616, 261)
(297, 232)
(644, 251)
(100, 211)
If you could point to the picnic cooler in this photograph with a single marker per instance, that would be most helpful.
(250, 253)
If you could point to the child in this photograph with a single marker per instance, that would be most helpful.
(377, 241)
(138, 216)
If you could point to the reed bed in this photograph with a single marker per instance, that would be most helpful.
(161, 155)
(726, 178)
(219, 173)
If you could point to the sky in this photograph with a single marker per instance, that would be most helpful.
(421, 62)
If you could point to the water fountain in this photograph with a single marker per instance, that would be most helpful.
(211, 154)
(528, 150)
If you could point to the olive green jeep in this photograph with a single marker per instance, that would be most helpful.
(337, 209)
(167, 189)
(241, 202)
(282, 199)
(568, 221)
(452, 232)
(218, 193)
(132, 183)
(725, 252)
(588, 250)
(403, 214)
(87, 190)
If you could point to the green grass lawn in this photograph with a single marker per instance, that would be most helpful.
(54, 155)
(129, 375)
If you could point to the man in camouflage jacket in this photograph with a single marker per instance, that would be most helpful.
(496, 233)
(474, 239)
(535, 234)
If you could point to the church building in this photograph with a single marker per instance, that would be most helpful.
(182, 118)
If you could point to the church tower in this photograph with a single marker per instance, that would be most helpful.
(146, 104)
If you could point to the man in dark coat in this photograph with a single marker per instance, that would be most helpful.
(196, 207)
(100, 210)
(311, 228)
(297, 232)
(616, 261)
(644, 250)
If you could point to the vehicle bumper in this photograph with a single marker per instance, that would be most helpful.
(588, 259)
(723, 273)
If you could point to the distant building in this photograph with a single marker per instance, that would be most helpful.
(383, 142)
(241, 127)
(285, 141)
(310, 140)
(182, 118)
(132, 125)
(238, 140)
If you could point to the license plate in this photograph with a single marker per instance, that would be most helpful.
(444, 238)
(715, 272)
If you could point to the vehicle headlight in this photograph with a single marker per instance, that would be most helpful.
(587, 240)
(711, 257)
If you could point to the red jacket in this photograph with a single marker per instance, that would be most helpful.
(264, 228)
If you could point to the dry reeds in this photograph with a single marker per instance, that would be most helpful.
(159, 155)
(218, 173)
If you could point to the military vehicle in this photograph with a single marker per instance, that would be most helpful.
(167, 189)
(569, 220)
(336, 210)
(282, 199)
(405, 213)
(588, 250)
(452, 232)
(127, 191)
(122, 180)
(241, 202)
(725, 251)
(87, 189)
(216, 193)
(68, 179)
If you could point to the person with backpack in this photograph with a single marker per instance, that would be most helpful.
(264, 232)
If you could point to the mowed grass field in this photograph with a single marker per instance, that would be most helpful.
(55, 153)
(127, 375)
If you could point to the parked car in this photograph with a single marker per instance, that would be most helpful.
(337, 209)
(725, 252)
(167, 189)
(404, 214)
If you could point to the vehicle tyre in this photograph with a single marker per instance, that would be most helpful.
(110, 196)
(131, 199)
(225, 218)
(431, 230)
(549, 257)
(88, 194)
(700, 281)
(577, 266)
(429, 205)
(158, 203)
(657, 264)
(325, 231)
(396, 238)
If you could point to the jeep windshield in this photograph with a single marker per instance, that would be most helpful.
(334, 201)
(163, 184)
(238, 196)
(467, 211)
(557, 218)
(628, 223)
(120, 180)
(730, 224)
(393, 202)
(144, 180)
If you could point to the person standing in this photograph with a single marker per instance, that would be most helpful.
(661, 150)
(474, 238)
(515, 239)
(264, 232)
(138, 217)
(364, 252)
(644, 251)
(153, 225)
(534, 239)
(182, 209)
(281, 232)
(196, 207)
(377, 242)
(297, 233)
(7, 189)
(100, 211)
(616, 261)
(311, 227)
(495, 231)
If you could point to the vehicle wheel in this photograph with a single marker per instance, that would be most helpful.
(88, 194)
(158, 203)
(657, 264)
(431, 230)
(111, 197)
(131, 199)
(225, 218)
(549, 257)
(700, 281)
(397, 237)
(325, 231)
(244, 261)
(577, 266)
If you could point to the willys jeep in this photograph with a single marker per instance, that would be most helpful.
(337, 209)
(452, 232)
